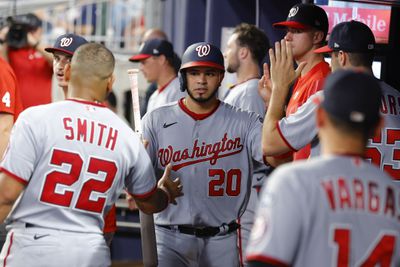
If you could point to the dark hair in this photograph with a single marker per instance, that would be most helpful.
(353, 129)
(359, 59)
(256, 40)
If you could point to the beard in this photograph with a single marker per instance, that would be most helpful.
(232, 68)
(202, 99)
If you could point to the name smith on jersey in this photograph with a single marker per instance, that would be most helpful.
(89, 131)
(200, 153)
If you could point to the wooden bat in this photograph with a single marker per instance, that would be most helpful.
(147, 232)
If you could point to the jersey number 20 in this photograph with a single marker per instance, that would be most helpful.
(225, 183)
(62, 179)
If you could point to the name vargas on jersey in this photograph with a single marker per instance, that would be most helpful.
(200, 153)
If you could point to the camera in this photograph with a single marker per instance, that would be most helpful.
(20, 25)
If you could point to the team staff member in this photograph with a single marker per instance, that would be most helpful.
(211, 146)
(69, 169)
(10, 107)
(31, 64)
(336, 209)
(246, 49)
(352, 46)
(156, 59)
(307, 27)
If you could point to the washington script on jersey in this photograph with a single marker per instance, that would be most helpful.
(205, 152)
(90, 132)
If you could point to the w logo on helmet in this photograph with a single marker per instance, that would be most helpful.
(203, 50)
(66, 42)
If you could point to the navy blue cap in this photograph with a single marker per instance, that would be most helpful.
(305, 16)
(352, 97)
(154, 47)
(67, 43)
(351, 36)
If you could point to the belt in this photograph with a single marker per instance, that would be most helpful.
(204, 231)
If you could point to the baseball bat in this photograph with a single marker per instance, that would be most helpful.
(147, 232)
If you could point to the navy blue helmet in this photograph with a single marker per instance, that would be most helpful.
(200, 55)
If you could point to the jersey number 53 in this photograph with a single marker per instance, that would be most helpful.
(56, 179)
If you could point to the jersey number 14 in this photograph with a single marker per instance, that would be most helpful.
(380, 254)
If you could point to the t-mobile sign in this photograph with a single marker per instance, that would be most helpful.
(378, 20)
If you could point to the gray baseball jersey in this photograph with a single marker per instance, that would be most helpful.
(74, 165)
(336, 210)
(167, 94)
(211, 154)
(384, 149)
(245, 96)
(299, 129)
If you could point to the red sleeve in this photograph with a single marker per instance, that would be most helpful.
(9, 97)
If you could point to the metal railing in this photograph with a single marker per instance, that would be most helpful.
(118, 24)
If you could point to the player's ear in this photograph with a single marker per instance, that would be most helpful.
(110, 83)
(67, 72)
(318, 37)
(243, 52)
(342, 58)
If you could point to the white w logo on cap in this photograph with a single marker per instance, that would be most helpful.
(66, 41)
(293, 11)
(203, 50)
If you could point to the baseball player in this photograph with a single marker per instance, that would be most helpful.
(337, 209)
(210, 145)
(352, 46)
(63, 50)
(246, 49)
(68, 170)
(10, 107)
(156, 59)
(307, 27)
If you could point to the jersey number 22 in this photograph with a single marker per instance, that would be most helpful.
(57, 178)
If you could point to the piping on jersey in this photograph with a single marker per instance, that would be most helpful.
(199, 153)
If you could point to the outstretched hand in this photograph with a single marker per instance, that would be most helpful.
(282, 73)
(264, 85)
(173, 188)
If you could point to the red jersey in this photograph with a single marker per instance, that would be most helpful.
(9, 91)
(305, 87)
(33, 74)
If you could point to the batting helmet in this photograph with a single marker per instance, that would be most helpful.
(200, 55)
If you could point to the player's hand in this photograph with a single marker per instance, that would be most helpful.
(174, 188)
(264, 85)
(131, 202)
(282, 71)
(145, 142)
(33, 41)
